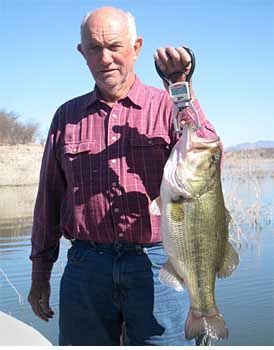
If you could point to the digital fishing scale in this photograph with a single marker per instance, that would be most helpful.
(180, 93)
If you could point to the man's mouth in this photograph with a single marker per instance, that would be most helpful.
(108, 70)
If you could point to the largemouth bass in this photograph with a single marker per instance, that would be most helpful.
(194, 224)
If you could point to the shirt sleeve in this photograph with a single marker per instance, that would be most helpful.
(46, 224)
(206, 131)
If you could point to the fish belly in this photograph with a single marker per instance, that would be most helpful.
(194, 236)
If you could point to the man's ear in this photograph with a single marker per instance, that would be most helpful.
(79, 48)
(137, 46)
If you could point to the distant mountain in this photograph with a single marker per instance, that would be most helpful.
(251, 145)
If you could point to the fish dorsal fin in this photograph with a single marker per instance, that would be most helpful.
(155, 207)
(231, 261)
(170, 278)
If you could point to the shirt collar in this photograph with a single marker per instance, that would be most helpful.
(135, 95)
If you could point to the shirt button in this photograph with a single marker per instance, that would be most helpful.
(74, 150)
(114, 138)
(150, 142)
(113, 160)
(116, 210)
(114, 116)
(114, 184)
(120, 234)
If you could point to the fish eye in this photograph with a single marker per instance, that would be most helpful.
(215, 157)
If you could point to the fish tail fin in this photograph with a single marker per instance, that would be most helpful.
(210, 323)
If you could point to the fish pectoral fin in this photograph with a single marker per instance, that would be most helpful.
(155, 207)
(231, 261)
(170, 278)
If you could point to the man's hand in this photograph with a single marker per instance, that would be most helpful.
(175, 63)
(39, 299)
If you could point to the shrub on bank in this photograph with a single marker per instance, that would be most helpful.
(12, 131)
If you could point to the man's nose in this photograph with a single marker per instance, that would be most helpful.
(106, 56)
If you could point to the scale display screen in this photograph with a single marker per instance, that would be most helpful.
(178, 90)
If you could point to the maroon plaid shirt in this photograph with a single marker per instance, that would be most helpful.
(100, 171)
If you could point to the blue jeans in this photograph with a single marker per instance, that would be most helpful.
(111, 292)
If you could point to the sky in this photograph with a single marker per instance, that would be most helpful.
(232, 40)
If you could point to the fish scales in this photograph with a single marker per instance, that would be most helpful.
(194, 224)
(197, 251)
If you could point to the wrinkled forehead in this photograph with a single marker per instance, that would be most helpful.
(105, 28)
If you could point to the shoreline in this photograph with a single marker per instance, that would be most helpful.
(20, 164)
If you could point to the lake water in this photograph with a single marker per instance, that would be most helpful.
(245, 299)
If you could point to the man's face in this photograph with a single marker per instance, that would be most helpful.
(109, 53)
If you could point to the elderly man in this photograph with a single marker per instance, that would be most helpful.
(102, 167)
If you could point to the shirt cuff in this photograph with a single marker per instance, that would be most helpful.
(41, 270)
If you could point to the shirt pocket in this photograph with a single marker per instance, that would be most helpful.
(146, 157)
(147, 151)
(78, 162)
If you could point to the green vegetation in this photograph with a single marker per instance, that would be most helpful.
(12, 131)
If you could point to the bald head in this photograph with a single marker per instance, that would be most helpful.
(110, 15)
(110, 47)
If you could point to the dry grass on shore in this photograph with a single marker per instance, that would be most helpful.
(244, 189)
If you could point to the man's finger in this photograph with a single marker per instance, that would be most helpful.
(171, 60)
(185, 58)
(36, 307)
(40, 305)
(163, 55)
(46, 309)
(161, 59)
(174, 56)
(184, 55)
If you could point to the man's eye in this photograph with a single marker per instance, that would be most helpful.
(94, 47)
(115, 47)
